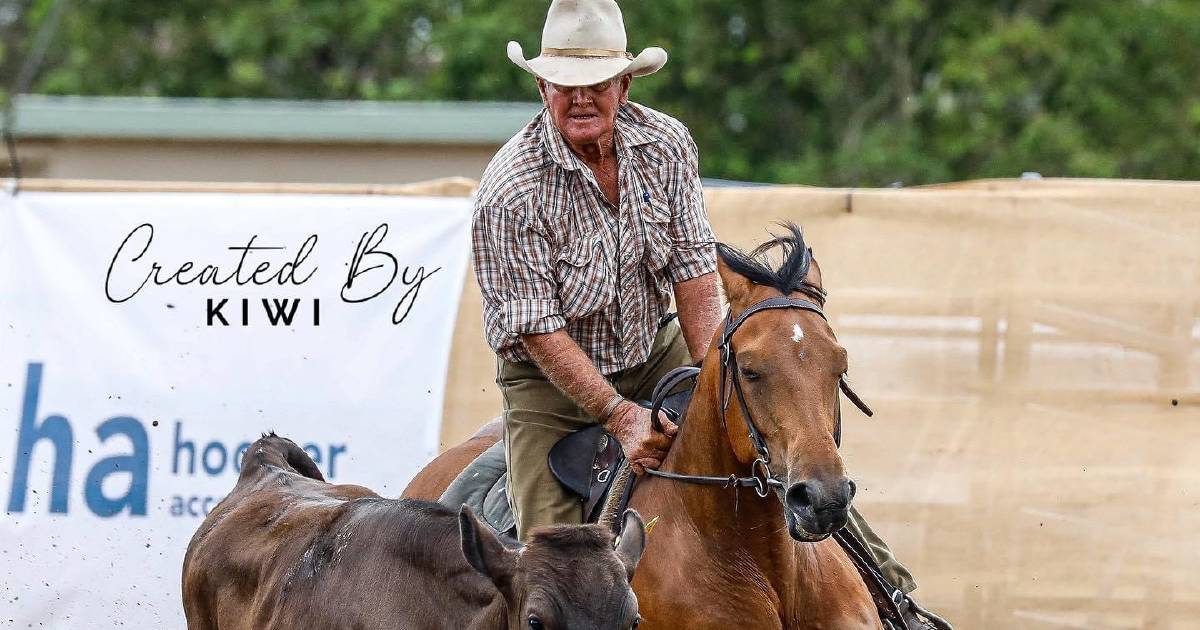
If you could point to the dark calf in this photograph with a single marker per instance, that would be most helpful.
(287, 550)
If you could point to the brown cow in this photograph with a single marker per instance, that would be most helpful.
(286, 550)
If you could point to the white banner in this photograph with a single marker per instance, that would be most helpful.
(147, 338)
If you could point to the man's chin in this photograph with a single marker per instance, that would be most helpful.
(583, 133)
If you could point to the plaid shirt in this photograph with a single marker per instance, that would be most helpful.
(550, 251)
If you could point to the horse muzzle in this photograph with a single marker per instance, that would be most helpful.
(814, 509)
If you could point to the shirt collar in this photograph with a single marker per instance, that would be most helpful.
(627, 134)
(630, 128)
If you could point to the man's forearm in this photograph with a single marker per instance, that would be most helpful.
(699, 304)
(570, 369)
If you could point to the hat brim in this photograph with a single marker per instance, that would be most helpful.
(574, 71)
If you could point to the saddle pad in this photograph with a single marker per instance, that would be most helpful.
(483, 487)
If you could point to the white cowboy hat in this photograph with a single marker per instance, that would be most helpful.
(583, 43)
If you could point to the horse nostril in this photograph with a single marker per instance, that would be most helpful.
(798, 496)
(853, 487)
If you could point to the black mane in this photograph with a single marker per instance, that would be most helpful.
(789, 276)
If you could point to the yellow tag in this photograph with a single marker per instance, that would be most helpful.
(650, 525)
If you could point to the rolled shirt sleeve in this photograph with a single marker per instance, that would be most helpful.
(514, 264)
(693, 245)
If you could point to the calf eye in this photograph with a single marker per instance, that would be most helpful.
(535, 623)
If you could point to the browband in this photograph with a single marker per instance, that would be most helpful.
(731, 326)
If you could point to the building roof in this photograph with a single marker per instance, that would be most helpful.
(254, 120)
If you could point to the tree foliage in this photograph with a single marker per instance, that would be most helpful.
(831, 92)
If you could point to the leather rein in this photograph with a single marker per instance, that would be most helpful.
(761, 477)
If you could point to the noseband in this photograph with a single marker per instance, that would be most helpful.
(761, 478)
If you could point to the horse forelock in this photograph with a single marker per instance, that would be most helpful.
(789, 276)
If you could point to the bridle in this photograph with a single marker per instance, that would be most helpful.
(887, 598)
(760, 478)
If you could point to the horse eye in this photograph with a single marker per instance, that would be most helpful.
(535, 623)
(750, 375)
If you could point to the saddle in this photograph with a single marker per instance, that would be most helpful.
(584, 462)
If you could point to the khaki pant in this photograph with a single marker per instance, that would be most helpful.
(537, 414)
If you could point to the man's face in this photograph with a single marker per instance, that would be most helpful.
(584, 115)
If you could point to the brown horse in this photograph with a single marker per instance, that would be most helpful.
(286, 550)
(723, 558)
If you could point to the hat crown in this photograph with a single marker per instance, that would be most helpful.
(593, 24)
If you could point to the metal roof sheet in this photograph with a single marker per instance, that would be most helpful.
(252, 120)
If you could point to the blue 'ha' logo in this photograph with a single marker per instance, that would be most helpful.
(55, 431)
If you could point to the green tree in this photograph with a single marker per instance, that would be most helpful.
(830, 92)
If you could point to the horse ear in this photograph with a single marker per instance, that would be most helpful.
(632, 542)
(736, 286)
(814, 272)
(483, 549)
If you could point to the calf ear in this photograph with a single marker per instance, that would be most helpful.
(483, 549)
(632, 542)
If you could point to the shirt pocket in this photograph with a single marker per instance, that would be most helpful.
(585, 285)
(656, 216)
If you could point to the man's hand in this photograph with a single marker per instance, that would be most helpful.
(565, 364)
(644, 447)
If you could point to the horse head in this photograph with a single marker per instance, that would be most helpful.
(782, 368)
(570, 577)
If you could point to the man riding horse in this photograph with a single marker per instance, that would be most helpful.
(586, 223)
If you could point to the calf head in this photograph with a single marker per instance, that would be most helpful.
(565, 577)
